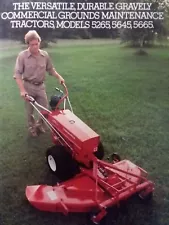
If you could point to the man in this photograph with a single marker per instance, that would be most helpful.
(30, 70)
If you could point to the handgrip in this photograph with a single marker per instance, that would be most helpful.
(29, 98)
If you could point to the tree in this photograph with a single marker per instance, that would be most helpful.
(145, 36)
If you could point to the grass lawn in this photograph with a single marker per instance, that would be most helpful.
(122, 96)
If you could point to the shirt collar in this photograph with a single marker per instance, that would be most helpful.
(40, 51)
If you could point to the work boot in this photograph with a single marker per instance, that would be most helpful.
(33, 132)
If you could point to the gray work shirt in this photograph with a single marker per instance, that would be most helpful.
(32, 68)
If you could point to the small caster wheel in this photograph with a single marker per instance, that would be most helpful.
(115, 158)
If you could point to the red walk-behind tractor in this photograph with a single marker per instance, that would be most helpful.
(87, 182)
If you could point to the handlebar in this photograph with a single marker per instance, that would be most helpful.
(32, 100)
(64, 99)
(29, 98)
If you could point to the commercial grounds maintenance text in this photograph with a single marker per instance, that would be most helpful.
(82, 15)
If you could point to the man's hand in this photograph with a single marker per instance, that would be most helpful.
(23, 94)
(61, 80)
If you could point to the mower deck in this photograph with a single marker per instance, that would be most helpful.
(96, 189)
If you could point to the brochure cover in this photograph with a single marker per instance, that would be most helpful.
(84, 89)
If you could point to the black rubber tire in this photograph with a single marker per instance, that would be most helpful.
(147, 198)
(100, 151)
(66, 166)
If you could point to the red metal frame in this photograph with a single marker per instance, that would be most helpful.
(93, 189)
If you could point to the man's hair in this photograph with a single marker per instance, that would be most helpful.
(32, 35)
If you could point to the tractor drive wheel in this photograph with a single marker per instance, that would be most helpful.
(100, 151)
(61, 163)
